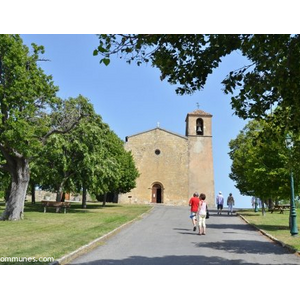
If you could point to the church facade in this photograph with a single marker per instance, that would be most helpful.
(172, 167)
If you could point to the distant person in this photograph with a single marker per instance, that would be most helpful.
(259, 202)
(194, 204)
(202, 215)
(220, 202)
(230, 203)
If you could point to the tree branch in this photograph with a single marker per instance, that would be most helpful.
(61, 131)
(6, 151)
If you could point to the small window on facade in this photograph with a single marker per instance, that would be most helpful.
(157, 151)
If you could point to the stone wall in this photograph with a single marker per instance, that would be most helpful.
(41, 195)
(161, 157)
(201, 170)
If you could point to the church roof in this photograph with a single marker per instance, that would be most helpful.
(157, 128)
(200, 112)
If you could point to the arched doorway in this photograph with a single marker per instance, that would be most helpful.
(157, 195)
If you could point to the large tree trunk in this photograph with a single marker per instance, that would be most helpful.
(7, 193)
(32, 193)
(19, 170)
(59, 192)
(84, 192)
(60, 195)
(104, 199)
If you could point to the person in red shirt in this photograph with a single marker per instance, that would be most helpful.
(194, 204)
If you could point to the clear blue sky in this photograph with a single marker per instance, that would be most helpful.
(132, 99)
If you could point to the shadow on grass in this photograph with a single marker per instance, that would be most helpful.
(250, 214)
(273, 227)
(75, 207)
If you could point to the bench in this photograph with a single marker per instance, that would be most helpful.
(280, 207)
(57, 205)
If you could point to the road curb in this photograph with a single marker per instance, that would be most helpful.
(290, 248)
(86, 248)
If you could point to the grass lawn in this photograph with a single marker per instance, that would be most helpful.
(275, 224)
(52, 234)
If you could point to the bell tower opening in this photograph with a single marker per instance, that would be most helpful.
(198, 124)
(199, 127)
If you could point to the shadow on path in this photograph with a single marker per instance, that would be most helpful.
(244, 247)
(169, 260)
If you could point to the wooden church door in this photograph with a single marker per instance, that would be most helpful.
(157, 193)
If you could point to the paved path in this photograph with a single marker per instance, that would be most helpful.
(165, 237)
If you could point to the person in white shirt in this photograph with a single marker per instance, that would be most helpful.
(220, 202)
(202, 214)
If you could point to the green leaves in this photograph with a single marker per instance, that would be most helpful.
(25, 92)
(91, 155)
(184, 60)
(270, 79)
(106, 61)
(261, 162)
(67, 144)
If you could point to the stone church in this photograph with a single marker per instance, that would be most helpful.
(172, 166)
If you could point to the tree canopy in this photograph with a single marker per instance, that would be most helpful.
(35, 123)
(90, 157)
(261, 161)
(270, 79)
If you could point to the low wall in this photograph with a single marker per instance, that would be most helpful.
(41, 195)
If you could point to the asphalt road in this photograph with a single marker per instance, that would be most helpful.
(165, 237)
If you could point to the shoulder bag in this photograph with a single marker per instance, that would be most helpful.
(207, 213)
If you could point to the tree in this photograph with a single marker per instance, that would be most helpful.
(102, 165)
(261, 161)
(117, 172)
(24, 91)
(91, 157)
(30, 113)
(270, 79)
(61, 161)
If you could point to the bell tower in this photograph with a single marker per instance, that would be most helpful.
(200, 160)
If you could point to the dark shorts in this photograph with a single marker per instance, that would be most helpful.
(193, 215)
(220, 206)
